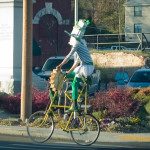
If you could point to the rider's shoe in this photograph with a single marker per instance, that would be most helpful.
(72, 110)
(74, 107)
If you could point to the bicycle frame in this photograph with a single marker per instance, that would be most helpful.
(66, 128)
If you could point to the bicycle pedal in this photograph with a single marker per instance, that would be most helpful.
(66, 131)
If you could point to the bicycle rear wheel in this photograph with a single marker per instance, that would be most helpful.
(90, 134)
(40, 128)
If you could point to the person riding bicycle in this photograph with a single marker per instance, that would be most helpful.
(83, 65)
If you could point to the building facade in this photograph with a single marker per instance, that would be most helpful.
(50, 19)
(137, 18)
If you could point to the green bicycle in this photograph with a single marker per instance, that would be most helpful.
(82, 125)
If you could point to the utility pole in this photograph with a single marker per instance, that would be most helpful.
(119, 21)
(76, 12)
(26, 85)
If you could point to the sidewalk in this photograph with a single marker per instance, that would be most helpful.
(60, 134)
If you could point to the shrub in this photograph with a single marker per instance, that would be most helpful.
(147, 107)
(2, 96)
(12, 103)
(143, 96)
(40, 99)
(117, 103)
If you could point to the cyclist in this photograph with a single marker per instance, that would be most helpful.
(83, 65)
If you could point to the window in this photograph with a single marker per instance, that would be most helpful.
(52, 63)
(141, 77)
(137, 28)
(137, 10)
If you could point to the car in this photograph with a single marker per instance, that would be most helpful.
(51, 64)
(140, 78)
(118, 48)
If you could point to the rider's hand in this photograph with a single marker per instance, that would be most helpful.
(58, 68)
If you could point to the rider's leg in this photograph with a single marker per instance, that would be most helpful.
(82, 70)
(75, 85)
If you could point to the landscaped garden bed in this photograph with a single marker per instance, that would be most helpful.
(126, 110)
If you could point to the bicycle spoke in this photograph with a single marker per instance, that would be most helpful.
(88, 135)
(40, 127)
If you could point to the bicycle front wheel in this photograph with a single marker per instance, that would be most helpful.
(88, 135)
(39, 127)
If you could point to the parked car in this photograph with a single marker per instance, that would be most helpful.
(117, 48)
(140, 78)
(51, 64)
(122, 48)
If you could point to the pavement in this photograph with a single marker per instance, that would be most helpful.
(60, 134)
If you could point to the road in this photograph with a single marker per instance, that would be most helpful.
(24, 143)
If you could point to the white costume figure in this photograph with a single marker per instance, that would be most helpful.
(83, 65)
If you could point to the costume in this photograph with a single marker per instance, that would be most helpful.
(82, 58)
(120, 78)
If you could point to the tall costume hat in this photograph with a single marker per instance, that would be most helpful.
(79, 29)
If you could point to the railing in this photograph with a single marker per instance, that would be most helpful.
(133, 41)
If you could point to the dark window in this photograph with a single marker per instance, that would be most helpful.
(137, 28)
(137, 10)
(141, 77)
(48, 27)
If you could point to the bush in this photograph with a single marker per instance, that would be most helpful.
(39, 101)
(117, 103)
(147, 107)
(143, 96)
(2, 96)
(12, 103)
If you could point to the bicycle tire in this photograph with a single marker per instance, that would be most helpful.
(38, 131)
(90, 134)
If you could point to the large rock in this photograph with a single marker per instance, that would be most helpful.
(109, 63)
(117, 59)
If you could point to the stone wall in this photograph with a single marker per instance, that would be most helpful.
(109, 63)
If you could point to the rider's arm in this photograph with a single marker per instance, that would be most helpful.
(62, 63)
(67, 58)
(76, 62)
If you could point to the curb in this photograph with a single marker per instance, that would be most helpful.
(60, 134)
(22, 131)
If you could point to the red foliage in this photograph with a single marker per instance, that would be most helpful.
(40, 99)
(12, 103)
(118, 103)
